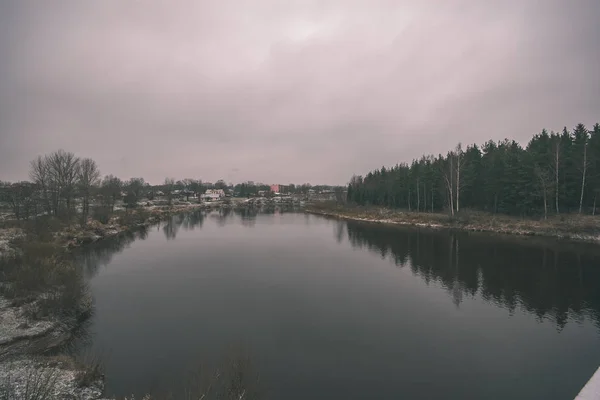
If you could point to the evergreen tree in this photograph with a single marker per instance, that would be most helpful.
(556, 172)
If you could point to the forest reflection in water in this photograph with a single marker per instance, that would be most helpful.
(552, 279)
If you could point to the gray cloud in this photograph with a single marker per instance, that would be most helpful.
(289, 91)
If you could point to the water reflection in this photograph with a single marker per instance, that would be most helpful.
(222, 215)
(100, 254)
(351, 313)
(79, 338)
(170, 228)
(193, 220)
(553, 280)
(187, 221)
(247, 216)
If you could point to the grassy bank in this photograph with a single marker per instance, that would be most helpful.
(44, 298)
(569, 226)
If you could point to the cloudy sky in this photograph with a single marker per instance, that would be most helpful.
(286, 91)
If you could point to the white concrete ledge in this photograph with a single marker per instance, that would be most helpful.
(591, 390)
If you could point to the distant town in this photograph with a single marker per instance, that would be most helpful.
(207, 191)
(51, 193)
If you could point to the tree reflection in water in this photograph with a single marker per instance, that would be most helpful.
(247, 215)
(94, 256)
(551, 279)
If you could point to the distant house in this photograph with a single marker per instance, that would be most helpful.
(275, 188)
(213, 194)
(160, 193)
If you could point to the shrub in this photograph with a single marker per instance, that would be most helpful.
(39, 383)
(137, 217)
(234, 379)
(130, 201)
(64, 299)
(42, 228)
(26, 277)
(91, 370)
(41, 278)
(102, 214)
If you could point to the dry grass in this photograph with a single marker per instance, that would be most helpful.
(90, 370)
(44, 281)
(233, 379)
(39, 384)
(574, 226)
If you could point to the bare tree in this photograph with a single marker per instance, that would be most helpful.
(190, 187)
(584, 168)
(169, 185)
(111, 191)
(544, 181)
(459, 164)
(220, 184)
(556, 157)
(20, 197)
(136, 187)
(448, 178)
(88, 178)
(418, 195)
(40, 176)
(62, 172)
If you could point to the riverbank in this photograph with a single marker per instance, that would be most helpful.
(43, 300)
(572, 227)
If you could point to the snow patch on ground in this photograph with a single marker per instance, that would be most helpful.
(7, 236)
(54, 380)
(14, 325)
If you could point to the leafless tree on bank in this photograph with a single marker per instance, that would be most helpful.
(169, 186)
(459, 154)
(136, 186)
(21, 198)
(40, 176)
(62, 172)
(111, 191)
(88, 179)
(544, 178)
(584, 168)
(556, 156)
(449, 180)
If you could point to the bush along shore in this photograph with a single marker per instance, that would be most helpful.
(44, 300)
(572, 226)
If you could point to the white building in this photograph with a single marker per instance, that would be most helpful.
(213, 194)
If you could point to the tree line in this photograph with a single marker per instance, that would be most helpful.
(557, 172)
(250, 189)
(65, 186)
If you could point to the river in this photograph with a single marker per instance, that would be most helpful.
(329, 309)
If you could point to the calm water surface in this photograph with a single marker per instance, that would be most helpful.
(344, 310)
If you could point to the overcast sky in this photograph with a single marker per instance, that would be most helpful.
(286, 91)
